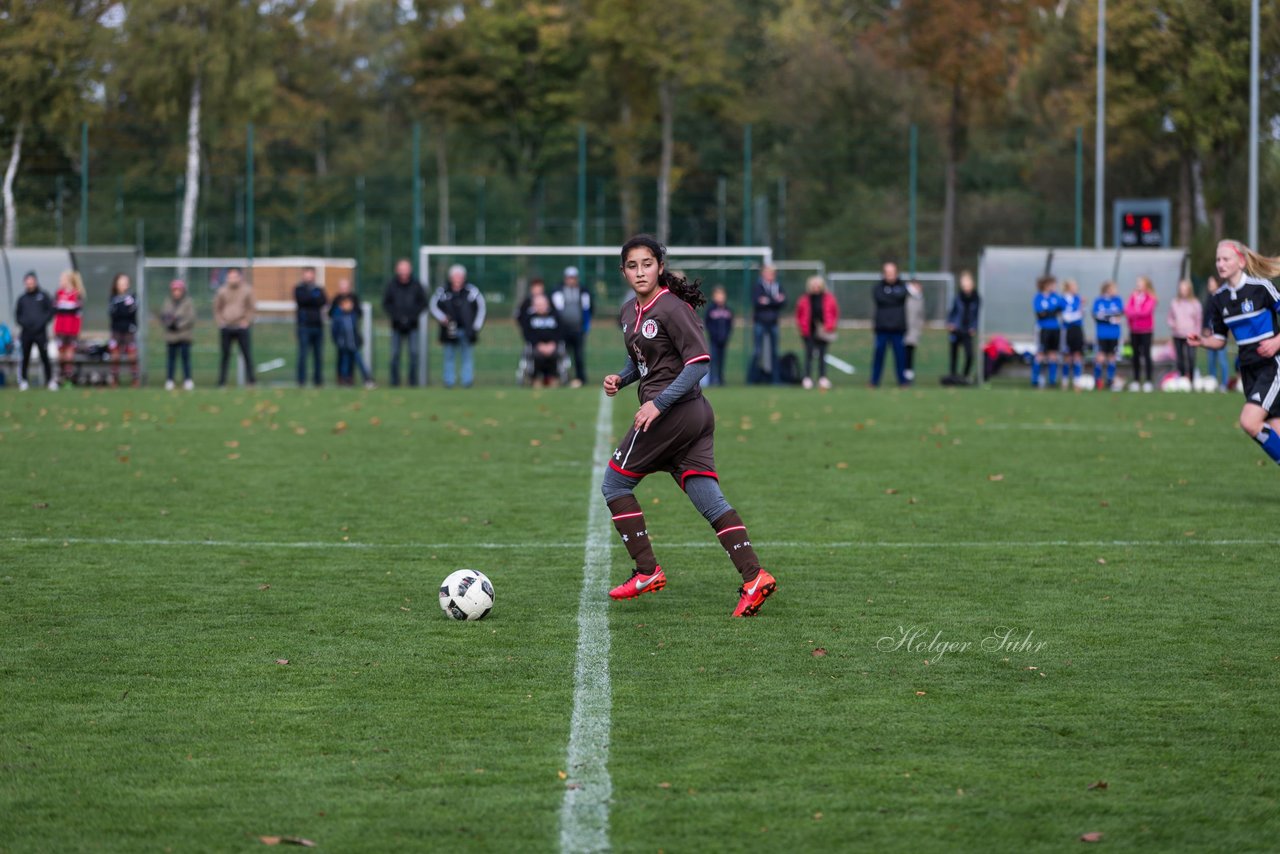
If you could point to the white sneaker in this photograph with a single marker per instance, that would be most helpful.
(187, 385)
(22, 385)
(1133, 386)
(53, 385)
(370, 384)
(806, 383)
(824, 383)
(1148, 387)
(168, 385)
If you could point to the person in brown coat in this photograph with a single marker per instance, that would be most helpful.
(233, 312)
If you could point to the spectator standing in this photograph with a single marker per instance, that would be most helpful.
(178, 317)
(1186, 319)
(817, 315)
(915, 325)
(32, 313)
(345, 315)
(1140, 309)
(68, 307)
(1047, 306)
(768, 299)
(890, 296)
(1218, 365)
(1108, 311)
(404, 301)
(233, 311)
(719, 325)
(1073, 332)
(458, 307)
(311, 300)
(544, 332)
(962, 323)
(573, 304)
(123, 313)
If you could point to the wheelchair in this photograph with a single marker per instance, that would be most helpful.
(525, 373)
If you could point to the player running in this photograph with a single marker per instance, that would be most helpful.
(674, 429)
(1247, 306)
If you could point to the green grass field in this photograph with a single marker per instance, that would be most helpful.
(165, 553)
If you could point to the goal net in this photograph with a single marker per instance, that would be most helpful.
(275, 346)
(503, 274)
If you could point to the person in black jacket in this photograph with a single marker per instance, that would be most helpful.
(458, 306)
(404, 301)
(544, 333)
(767, 301)
(890, 298)
(962, 324)
(718, 322)
(33, 313)
(311, 301)
(123, 312)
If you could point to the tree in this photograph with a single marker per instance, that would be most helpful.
(969, 51)
(47, 59)
(196, 58)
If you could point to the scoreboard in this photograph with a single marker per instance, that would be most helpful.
(1142, 223)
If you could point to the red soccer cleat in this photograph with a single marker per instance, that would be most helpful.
(752, 594)
(639, 583)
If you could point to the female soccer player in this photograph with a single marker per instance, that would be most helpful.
(1108, 311)
(674, 429)
(1247, 306)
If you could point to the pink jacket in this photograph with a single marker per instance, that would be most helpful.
(1141, 311)
(1185, 317)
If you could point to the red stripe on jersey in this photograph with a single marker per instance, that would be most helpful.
(734, 528)
(703, 358)
(627, 515)
(692, 473)
(641, 309)
(620, 470)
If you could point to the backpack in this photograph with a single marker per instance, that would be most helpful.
(789, 369)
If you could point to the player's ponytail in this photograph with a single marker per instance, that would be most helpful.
(1255, 264)
(677, 284)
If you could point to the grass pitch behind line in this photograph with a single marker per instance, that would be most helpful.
(145, 708)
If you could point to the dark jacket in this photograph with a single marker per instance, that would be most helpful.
(774, 300)
(404, 302)
(123, 311)
(460, 313)
(540, 328)
(964, 312)
(33, 312)
(718, 323)
(344, 325)
(891, 311)
(311, 300)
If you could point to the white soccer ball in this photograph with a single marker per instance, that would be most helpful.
(466, 595)
(1085, 382)
(1206, 383)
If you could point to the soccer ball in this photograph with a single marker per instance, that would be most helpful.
(466, 595)
(1084, 382)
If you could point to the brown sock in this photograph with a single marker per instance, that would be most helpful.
(732, 535)
(628, 518)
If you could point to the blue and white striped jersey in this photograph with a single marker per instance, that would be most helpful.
(1249, 312)
(1107, 313)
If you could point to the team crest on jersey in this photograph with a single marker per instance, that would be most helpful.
(1247, 305)
(649, 329)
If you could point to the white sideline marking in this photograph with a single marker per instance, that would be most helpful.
(584, 813)
(766, 544)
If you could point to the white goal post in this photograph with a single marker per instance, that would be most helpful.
(676, 256)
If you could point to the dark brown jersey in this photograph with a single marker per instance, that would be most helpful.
(662, 336)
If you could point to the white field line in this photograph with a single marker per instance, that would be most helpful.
(584, 813)
(845, 545)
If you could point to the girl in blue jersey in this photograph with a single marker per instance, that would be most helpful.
(1047, 306)
(1247, 306)
(1073, 325)
(1108, 311)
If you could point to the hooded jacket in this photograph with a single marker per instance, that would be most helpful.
(33, 312)
(233, 306)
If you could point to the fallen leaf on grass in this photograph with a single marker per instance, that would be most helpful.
(340, 427)
(891, 491)
(41, 505)
(375, 421)
(819, 652)
(264, 586)
(287, 840)
(1101, 784)
(233, 456)
(920, 693)
(1092, 836)
(232, 444)
(282, 661)
(842, 465)
(817, 816)
(995, 478)
(664, 785)
(1102, 561)
(562, 775)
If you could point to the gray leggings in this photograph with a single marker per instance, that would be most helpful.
(703, 491)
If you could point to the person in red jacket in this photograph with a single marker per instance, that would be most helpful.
(68, 304)
(1141, 311)
(817, 314)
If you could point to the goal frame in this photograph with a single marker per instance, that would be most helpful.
(427, 253)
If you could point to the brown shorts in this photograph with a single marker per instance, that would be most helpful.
(681, 442)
